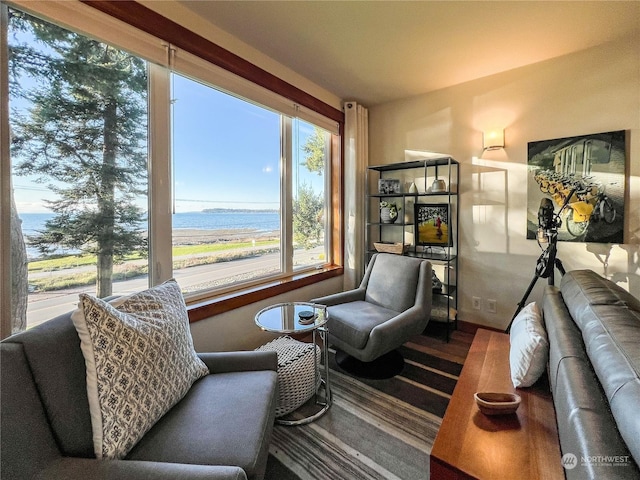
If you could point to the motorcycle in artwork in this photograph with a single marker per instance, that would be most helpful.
(587, 175)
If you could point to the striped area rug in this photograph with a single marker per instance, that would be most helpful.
(375, 429)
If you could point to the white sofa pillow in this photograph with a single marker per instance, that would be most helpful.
(140, 362)
(529, 352)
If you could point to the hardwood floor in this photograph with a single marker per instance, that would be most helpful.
(433, 341)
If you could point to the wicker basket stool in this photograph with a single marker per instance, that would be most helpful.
(296, 378)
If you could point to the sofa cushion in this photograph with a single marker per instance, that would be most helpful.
(612, 338)
(586, 426)
(393, 281)
(565, 340)
(529, 350)
(352, 322)
(608, 318)
(581, 288)
(222, 420)
(27, 441)
(55, 360)
(139, 360)
(67, 468)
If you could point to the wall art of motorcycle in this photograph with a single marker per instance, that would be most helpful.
(588, 173)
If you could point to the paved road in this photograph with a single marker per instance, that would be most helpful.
(44, 306)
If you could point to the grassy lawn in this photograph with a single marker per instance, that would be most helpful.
(182, 250)
(61, 263)
(69, 261)
(62, 281)
(74, 261)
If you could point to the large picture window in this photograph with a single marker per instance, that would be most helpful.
(226, 175)
(247, 185)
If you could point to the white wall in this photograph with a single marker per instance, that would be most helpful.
(183, 16)
(596, 90)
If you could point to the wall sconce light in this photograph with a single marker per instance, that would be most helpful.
(493, 139)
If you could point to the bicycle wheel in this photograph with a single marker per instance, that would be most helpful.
(607, 212)
(575, 228)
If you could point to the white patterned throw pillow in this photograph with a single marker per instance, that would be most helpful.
(140, 362)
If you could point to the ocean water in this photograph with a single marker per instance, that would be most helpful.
(229, 220)
(261, 221)
(241, 219)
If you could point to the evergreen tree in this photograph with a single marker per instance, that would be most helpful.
(314, 149)
(85, 137)
(308, 208)
(307, 217)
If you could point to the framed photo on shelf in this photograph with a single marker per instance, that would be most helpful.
(432, 224)
(388, 185)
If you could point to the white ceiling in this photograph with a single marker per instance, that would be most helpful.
(378, 51)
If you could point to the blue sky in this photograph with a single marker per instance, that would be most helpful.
(226, 154)
(225, 150)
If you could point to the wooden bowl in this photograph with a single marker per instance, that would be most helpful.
(493, 403)
(397, 248)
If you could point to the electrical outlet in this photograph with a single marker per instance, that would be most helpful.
(475, 301)
(492, 306)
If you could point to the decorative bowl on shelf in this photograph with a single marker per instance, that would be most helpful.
(438, 186)
(493, 403)
(385, 247)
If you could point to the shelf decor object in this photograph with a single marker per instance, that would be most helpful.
(432, 224)
(397, 248)
(389, 212)
(389, 186)
(438, 186)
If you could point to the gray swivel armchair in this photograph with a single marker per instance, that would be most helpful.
(368, 324)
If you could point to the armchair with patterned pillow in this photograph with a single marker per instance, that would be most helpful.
(116, 390)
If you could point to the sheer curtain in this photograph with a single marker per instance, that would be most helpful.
(356, 159)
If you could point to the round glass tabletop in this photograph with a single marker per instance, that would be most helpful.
(292, 317)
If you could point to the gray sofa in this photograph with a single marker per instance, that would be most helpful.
(594, 369)
(220, 430)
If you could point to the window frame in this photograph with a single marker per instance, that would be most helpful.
(205, 304)
(5, 187)
(146, 20)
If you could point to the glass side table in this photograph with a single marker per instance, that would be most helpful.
(284, 318)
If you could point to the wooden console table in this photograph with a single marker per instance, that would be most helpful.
(471, 445)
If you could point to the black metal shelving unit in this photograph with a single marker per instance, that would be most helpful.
(444, 258)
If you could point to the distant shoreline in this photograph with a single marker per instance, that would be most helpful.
(236, 210)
